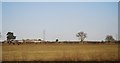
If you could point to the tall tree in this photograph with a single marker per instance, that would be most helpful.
(10, 36)
(81, 36)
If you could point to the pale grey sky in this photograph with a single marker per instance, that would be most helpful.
(60, 20)
(60, 0)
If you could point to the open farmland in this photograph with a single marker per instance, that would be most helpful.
(60, 52)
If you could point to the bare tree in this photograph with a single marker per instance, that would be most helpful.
(81, 36)
(109, 38)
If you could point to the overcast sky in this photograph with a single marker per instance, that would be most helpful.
(60, 20)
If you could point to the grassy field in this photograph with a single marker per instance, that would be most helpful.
(0, 52)
(60, 52)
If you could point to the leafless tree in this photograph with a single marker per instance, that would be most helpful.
(109, 38)
(81, 36)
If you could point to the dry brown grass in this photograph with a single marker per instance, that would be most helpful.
(60, 52)
(0, 53)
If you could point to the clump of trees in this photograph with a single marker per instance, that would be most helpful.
(109, 38)
(10, 37)
(81, 36)
(56, 40)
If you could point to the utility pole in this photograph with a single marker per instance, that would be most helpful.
(0, 36)
(116, 37)
(44, 35)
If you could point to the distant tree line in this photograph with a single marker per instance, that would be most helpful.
(81, 35)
